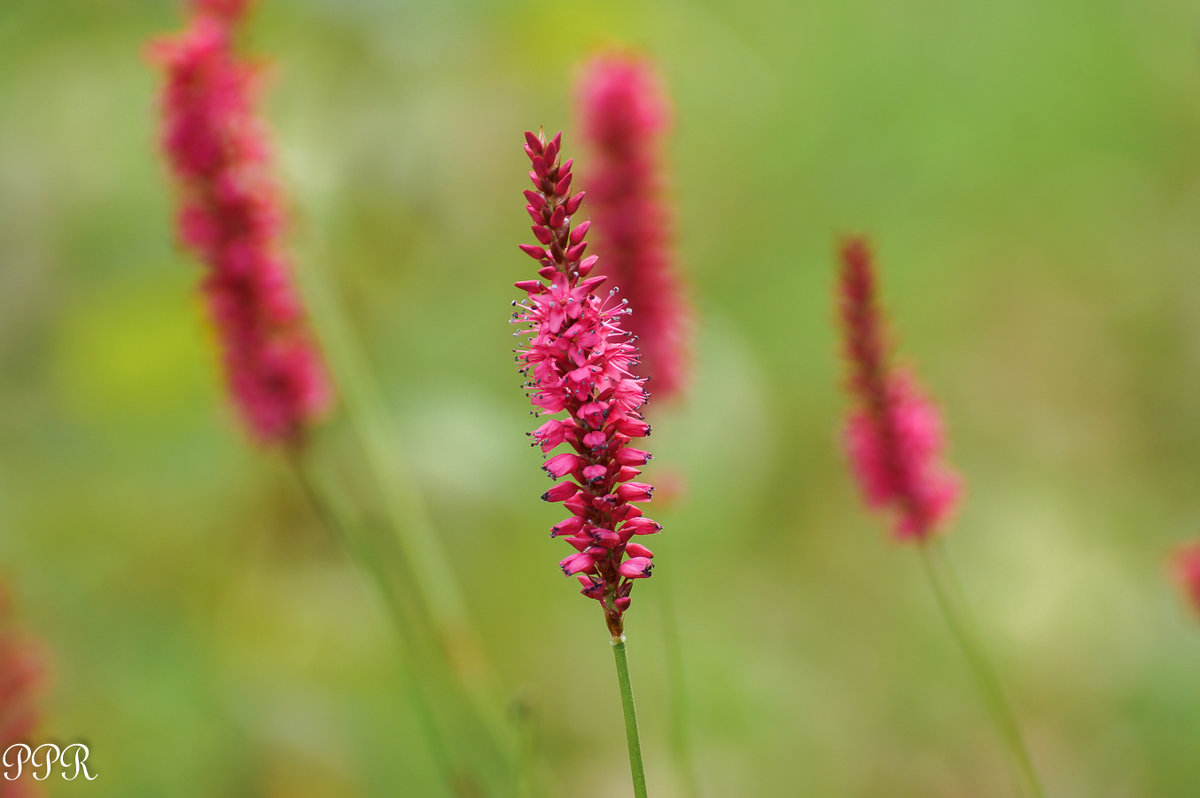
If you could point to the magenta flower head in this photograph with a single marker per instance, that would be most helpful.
(623, 115)
(579, 361)
(230, 216)
(893, 434)
(1185, 569)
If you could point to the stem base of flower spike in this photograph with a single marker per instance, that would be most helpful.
(631, 728)
(954, 608)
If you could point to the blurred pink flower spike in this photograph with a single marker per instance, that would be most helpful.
(22, 675)
(893, 434)
(1185, 568)
(623, 115)
(225, 9)
(231, 217)
(579, 359)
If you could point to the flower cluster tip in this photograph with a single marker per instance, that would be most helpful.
(893, 433)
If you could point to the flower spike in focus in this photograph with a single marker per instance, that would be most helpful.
(579, 361)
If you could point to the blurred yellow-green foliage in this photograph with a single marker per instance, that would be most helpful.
(1030, 174)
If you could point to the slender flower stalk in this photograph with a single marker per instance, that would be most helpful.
(415, 669)
(414, 557)
(1185, 569)
(230, 216)
(637, 769)
(579, 360)
(21, 679)
(893, 437)
(623, 115)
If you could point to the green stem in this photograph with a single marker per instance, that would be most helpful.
(954, 607)
(631, 727)
(438, 600)
(457, 783)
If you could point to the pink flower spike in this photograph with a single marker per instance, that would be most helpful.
(22, 676)
(623, 115)
(229, 9)
(1185, 569)
(231, 217)
(580, 360)
(893, 434)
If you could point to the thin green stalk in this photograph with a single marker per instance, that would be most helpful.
(442, 608)
(430, 569)
(631, 728)
(953, 605)
(455, 781)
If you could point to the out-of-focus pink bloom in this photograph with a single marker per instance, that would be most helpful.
(579, 360)
(1185, 568)
(230, 216)
(893, 434)
(21, 678)
(623, 115)
(228, 9)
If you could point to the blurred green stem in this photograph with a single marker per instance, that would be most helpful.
(954, 607)
(631, 727)
(456, 782)
(439, 600)
(681, 741)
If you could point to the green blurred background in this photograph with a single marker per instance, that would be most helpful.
(1030, 175)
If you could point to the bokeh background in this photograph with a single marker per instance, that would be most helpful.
(1030, 175)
